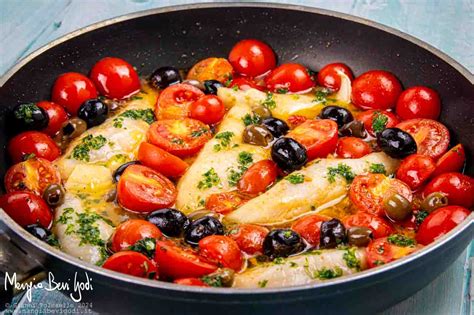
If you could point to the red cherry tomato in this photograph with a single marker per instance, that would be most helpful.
(309, 227)
(33, 142)
(451, 161)
(290, 77)
(258, 177)
(415, 170)
(209, 109)
(191, 281)
(223, 250)
(132, 231)
(132, 263)
(379, 226)
(352, 148)
(57, 116)
(296, 120)
(225, 202)
(319, 137)
(211, 69)
(457, 187)
(376, 89)
(244, 83)
(141, 189)
(26, 208)
(175, 100)
(161, 161)
(432, 137)
(418, 102)
(383, 119)
(379, 252)
(440, 222)
(71, 89)
(115, 78)
(252, 57)
(329, 75)
(249, 237)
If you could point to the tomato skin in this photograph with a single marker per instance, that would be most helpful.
(225, 202)
(33, 142)
(211, 69)
(418, 102)
(290, 76)
(376, 89)
(57, 116)
(258, 177)
(379, 252)
(161, 161)
(296, 120)
(309, 227)
(415, 170)
(451, 161)
(459, 188)
(132, 263)
(222, 249)
(26, 208)
(249, 237)
(245, 83)
(131, 231)
(367, 117)
(352, 148)
(329, 76)
(174, 101)
(379, 226)
(71, 89)
(209, 109)
(252, 57)
(115, 78)
(191, 281)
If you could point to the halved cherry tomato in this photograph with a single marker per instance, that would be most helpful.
(211, 69)
(244, 84)
(319, 137)
(296, 120)
(161, 161)
(33, 142)
(352, 148)
(249, 237)
(141, 189)
(381, 251)
(177, 262)
(26, 208)
(209, 109)
(440, 222)
(415, 170)
(71, 89)
(309, 228)
(290, 77)
(132, 231)
(258, 177)
(183, 137)
(132, 263)
(57, 116)
(451, 161)
(376, 89)
(252, 57)
(174, 101)
(418, 102)
(329, 75)
(432, 137)
(368, 192)
(379, 226)
(33, 175)
(223, 250)
(191, 281)
(225, 202)
(383, 119)
(459, 188)
(115, 78)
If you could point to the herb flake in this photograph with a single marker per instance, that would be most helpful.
(295, 178)
(342, 170)
(209, 179)
(89, 143)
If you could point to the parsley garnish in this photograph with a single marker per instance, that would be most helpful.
(420, 216)
(279, 261)
(65, 216)
(269, 102)
(263, 283)
(282, 91)
(351, 259)
(295, 178)
(244, 159)
(52, 240)
(25, 112)
(228, 82)
(82, 150)
(145, 246)
(342, 170)
(209, 179)
(213, 280)
(321, 96)
(199, 132)
(135, 97)
(144, 114)
(377, 168)
(379, 122)
(327, 273)
(401, 240)
(225, 139)
(253, 119)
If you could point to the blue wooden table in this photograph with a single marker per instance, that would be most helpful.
(26, 25)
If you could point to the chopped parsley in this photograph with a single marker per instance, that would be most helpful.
(379, 263)
(279, 261)
(145, 246)
(328, 273)
(269, 102)
(293, 264)
(295, 178)
(263, 283)
(65, 216)
(351, 259)
(144, 114)
(379, 122)
(282, 91)
(25, 112)
(28, 156)
(199, 132)
(88, 231)
(342, 170)
(244, 159)
(213, 280)
(136, 97)
(235, 88)
(401, 240)
(209, 179)
(228, 82)
(253, 119)
(321, 96)
(420, 216)
(224, 140)
(377, 168)
(82, 150)
(52, 240)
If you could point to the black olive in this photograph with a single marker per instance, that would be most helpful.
(54, 195)
(29, 117)
(73, 128)
(163, 77)
(282, 243)
(354, 128)
(119, 171)
(396, 143)
(332, 233)
(171, 222)
(93, 112)
(276, 126)
(38, 231)
(359, 236)
(338, 114)
(201, 228)
(211, 86)
(288, 154)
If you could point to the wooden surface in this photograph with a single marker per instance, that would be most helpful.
(26, 25)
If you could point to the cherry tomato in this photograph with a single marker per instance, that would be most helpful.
(182, 138)
(161, 161)
(258, 177)
(211, 69)
(26, 208)
(415, 170)
(175, 100)
(176, 261)
(432, 137)
(225, 202)
(57, 116)
(457, 187)
(368, 192)
(329, 75)
(71, 89)
(33, 175)
(132, 263)
(32, 142)
(296, 120)
(290, 77)
(383, 119)
(244, 83)
(376, 89)
(418, 102)
(440, 222)
(209, 109)
(132, 231)
(191, 281)
(309, 227)
(249, 237)
(381, 251)
(352, 148)
(379, 226)
(252, 57)
(223, 250)
(451, 161)
(319, 137)
(141, 189)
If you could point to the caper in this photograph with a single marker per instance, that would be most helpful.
(354, 128)
(54, 195)
(224, 277)
(262, 111)
(359, 236)
(74, 127)
(258, 135)
(193, 216)
(397, 207)
(434, 201)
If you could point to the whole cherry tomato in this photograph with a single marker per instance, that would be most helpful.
(209, 109)
(329, 75)
(33, 142)
(459, 188)
(132, 263)
(418, 102)
(132, 231)
(375, 121)
(225, 202)
(175, 100)
(383, 250)
(376, 89)
(352, 148)
(451, 161)
(57, 116)
(249, 237)
(258, 177)
(71, 89)
(252, 57)
(309, 228)
(289, 77)
(223, 250)
(191, 281)
(379, 226)
(245, 83)
(211, 69)
(415, 169)
(160, 160)
(26, 208)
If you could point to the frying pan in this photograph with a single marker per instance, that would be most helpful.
(180, 36)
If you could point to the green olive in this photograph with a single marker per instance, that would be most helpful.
(54, 195)
(262, 112)
(359, 236)
(258, 135)
(74, 127)
(193, 216)
(434, 201)
(397, 207)
(354, 128)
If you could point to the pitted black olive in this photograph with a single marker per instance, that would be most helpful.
(338, 114)
(54, 195)
(396, 143)
(276, 126)
(29, 117)
(211, 86)
(201, 228)
(39, 232)
(171, 222)
(354, 128)
(93, 112)
(163, 77)
(282, 243)
(332, 234)
(288, 154)
(119, 171)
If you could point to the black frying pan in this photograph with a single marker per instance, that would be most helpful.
(180, 36)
